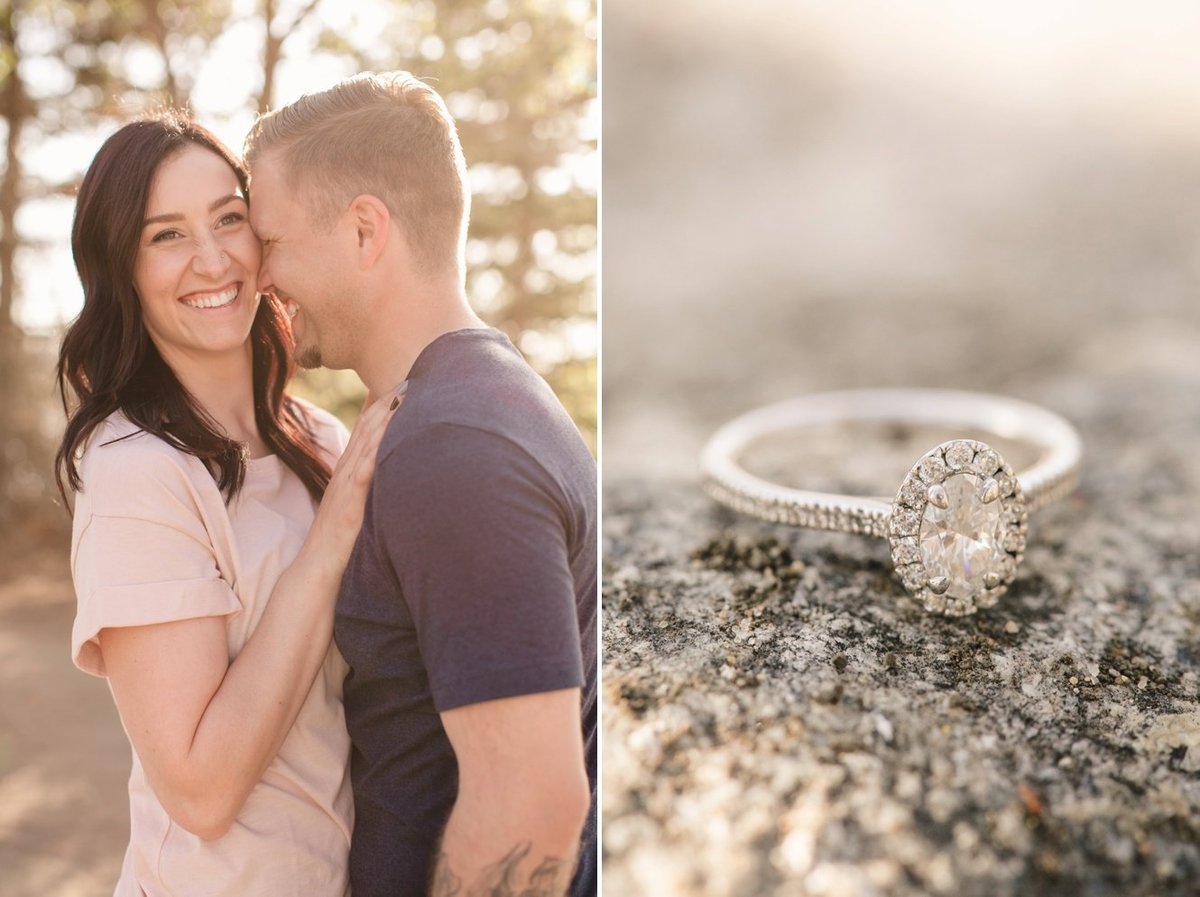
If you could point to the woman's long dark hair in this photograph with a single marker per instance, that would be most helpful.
(107, 359)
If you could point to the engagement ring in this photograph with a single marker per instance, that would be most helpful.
(957, 526)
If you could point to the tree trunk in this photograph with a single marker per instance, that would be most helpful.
(157, 28)
(276, 35)
(15, 109)
(272, 48)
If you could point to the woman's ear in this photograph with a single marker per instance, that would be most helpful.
(372, 224)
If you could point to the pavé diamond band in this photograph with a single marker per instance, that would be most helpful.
(957, 525)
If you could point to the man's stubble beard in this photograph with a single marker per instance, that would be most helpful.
(338, 338)
(309, 357)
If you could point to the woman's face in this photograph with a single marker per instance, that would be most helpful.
(197, 260)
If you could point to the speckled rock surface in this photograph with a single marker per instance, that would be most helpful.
(779, 718)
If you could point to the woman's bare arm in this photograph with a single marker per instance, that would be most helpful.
(206, 728)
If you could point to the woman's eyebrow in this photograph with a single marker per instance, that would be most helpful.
(176, 216)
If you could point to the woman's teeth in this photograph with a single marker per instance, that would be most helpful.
(212, 300)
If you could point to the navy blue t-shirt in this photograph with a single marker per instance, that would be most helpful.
(474, 578)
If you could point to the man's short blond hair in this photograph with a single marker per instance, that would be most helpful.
(384, 134)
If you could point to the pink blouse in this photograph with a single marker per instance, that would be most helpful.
(154, 541)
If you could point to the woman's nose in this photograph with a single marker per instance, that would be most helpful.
(210, 259)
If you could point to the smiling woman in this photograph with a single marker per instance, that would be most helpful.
(196, 483)
(197, 261)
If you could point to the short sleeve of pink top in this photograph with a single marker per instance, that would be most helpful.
(154, 541)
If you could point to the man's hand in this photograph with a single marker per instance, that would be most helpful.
(522, 798)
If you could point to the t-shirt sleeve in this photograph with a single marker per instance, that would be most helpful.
(142, 552)
(476, 535)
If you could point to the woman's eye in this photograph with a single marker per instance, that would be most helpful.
(232, 218)
(164, 235)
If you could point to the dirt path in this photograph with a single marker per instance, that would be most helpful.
(64, 761)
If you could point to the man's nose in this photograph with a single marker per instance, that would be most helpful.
(265, 284)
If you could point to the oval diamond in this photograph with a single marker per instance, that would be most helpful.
(963, 542)
(958, 531)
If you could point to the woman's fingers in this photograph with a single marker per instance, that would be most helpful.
(340, 514)
(366, 463)
(368, 429)
(357, 463)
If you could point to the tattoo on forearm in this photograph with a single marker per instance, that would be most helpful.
(549, 879)
(445, 882)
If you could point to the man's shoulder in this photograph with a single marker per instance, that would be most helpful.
(475, 377)
(485, 437)
(478, 421)
(431, 450)
(474, 386)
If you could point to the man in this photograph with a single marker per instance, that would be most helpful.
(468, 612)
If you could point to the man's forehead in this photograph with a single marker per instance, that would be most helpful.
(267, 167)
(264, 191)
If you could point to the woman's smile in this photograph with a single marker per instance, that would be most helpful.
(216, 299)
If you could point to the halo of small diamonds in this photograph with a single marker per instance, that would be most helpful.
(943, 476)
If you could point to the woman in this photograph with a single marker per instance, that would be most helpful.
(205, 571)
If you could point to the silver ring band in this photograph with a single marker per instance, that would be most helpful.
(1053, 475)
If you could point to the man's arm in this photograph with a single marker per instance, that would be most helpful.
(523, 798)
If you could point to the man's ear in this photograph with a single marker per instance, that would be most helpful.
(372, 223)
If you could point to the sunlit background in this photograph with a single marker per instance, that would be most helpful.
(518, 75)
(520, 78)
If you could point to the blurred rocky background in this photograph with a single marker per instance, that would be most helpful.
(520, 78)
(997, 197)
